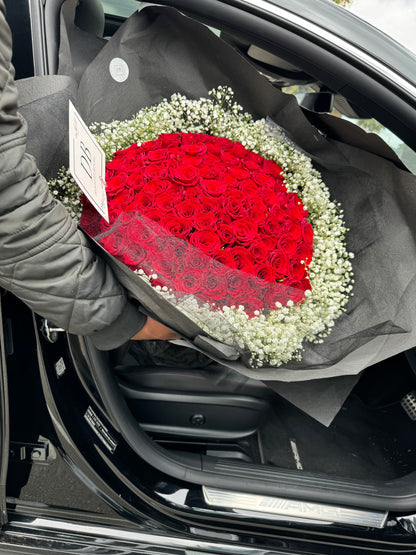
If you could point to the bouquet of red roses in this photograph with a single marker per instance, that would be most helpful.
(239, 235)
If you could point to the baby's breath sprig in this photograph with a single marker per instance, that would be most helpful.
(65, 189)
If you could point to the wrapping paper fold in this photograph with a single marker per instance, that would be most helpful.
(166, 52)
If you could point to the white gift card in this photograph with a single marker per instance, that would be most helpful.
(87, 162)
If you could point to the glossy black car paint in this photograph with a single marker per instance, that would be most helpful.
(155, 500)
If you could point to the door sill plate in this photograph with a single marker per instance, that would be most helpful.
(294, 508)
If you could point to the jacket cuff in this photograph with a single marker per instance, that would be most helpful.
(121, 330)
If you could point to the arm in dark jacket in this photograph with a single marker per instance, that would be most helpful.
(44, 259)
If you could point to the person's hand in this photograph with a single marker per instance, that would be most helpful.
(155, 330)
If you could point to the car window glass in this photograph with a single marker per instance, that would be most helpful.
(398, 22)
(120, 9)
(370, 125)
(406, 154)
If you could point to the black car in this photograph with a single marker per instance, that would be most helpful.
(102, 455)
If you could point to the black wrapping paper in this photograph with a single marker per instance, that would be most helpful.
(165, 53)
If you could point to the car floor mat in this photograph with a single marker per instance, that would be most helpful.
(363, 442)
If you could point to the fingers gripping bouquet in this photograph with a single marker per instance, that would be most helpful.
(226, 220)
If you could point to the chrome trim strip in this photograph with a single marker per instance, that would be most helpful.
(294, 508)
(341, 43)
(72, 531)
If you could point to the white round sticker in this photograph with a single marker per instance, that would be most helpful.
(119, 70)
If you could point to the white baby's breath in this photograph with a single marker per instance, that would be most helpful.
(271, 337)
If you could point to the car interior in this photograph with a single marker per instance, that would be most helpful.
(224, 428)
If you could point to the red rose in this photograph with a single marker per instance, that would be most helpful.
(269, 198)
(153, 214)
(266, 272)
(243, 259)
(189, 281)
(286, 244)
(213, 187)
(188, 208)
(272, 225)
(233, 204)
(269, 242)
(190, 138)
(194, 161)
(280, 261)
(125, 198)
(170, 139)
(259, 251)
(177, 226)
(195, 149)
(244, 230)
(237, 284)
(263, 180)
(174, 155)
(151, 145)
(295, 291)
(307, 232)
(249, 187)
(185, 175)
(211, 169)
(205, 240)
(239, 173)
(156, 155)
(276, 293)
(256, 209)
(195, 259)
(114, 243)
(208, 204)
(229, 159)
(165, 268)
(239, 150)
(116, 184)
(215, 286)
(154, 171)
(156, 186)
(139, 233)
(294, 230)
(142, 201)
(205, 220)
(270, 167)
(279, 212)
(134, 256)
(192, 193)
(226, 234)
(297, 271)
(166, 201)
(225, 258)
(305, 284)
(294, 207)
(253, 161)
(223, 143)
(304, 252)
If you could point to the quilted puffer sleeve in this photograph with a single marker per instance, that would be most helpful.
(44, 259)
